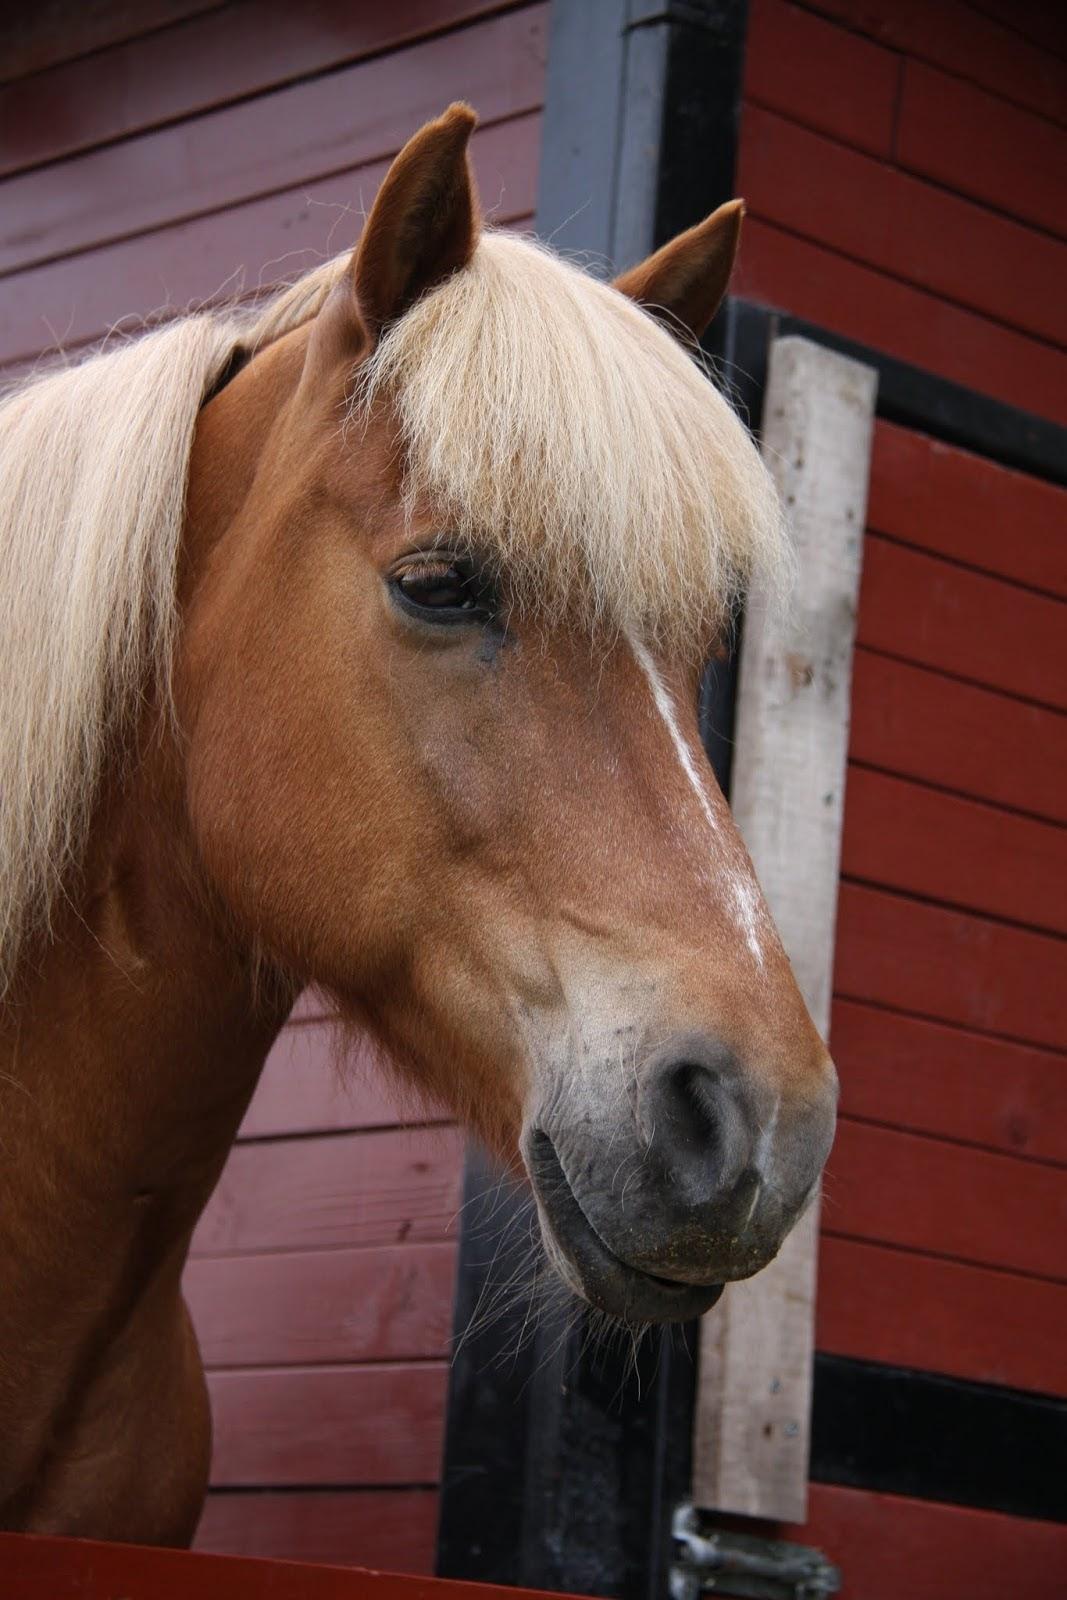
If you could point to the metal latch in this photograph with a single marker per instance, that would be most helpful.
(714, 1562)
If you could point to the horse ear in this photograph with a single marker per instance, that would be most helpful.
(424, 223)
(686, 281)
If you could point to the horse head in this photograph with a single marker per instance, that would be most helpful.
(457, 547)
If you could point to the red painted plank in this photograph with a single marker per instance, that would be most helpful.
(957, 37)
(901, 225)
(239, 250)
(895, 1188)
(961, 505)
(922, 725)
(376, 1425)
(391, 1528)
(353, 117)
(949, 965)
(942, 847)
(868, 306)
(35, 37)
(890, 1547)
(940, 615)
(37, 1568)
(388, 1304)
(315, 1081)
(979, 145)
(222, 55)
(823, 76)
(922, 1075)
(880, 1304)
(346, 1189)
(1043, 24)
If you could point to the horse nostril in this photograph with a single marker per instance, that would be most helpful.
(690, 1095)
(696, 1125)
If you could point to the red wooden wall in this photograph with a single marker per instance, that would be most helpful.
(153, 156)
(903, 165)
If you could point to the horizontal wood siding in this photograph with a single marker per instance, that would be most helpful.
(162, 155)
(903, 166)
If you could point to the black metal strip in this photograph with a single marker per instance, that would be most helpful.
(906, 394)
(902, 1432)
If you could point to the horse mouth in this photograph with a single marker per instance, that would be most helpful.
(609, 1283)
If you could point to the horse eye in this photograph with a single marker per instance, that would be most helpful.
(447, 588)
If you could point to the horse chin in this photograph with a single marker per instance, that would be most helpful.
(589, 1267)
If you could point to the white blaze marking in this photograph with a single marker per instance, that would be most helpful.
(742, 889)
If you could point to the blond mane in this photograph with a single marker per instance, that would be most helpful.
(560, 429)
(550, 421)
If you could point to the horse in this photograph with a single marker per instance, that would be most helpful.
(352, 639)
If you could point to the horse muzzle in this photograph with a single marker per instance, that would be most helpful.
(648, 1209)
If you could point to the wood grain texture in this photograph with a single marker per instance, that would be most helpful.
(391, 1528)
(349, 1190)
(951, 966)
(891, 220)
(216, 56)
(392, 1303)
(960, 505)
(821, 75)
(376, 1425)
(752, 1420)
(865, 304)
(908, 1310)
(296, 135)
(952, 1200)
(903, 836)
(891, 1546)
(973, 741)
(242, 250)
(908, 1072)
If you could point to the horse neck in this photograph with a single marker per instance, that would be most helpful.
(136, 1033)
(134, 1039)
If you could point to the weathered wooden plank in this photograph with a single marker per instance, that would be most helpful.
(946, 1199)
(912, 1310)
(295, 135)
(904, 836)
(392, 1528)
(752, 1422)
(960, 505)
(219, 55)
(339, 1190)
(392, 1303)
(900, 224)
(864, 304)
(909, 1072)
(376, 1425)
(950, 965)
